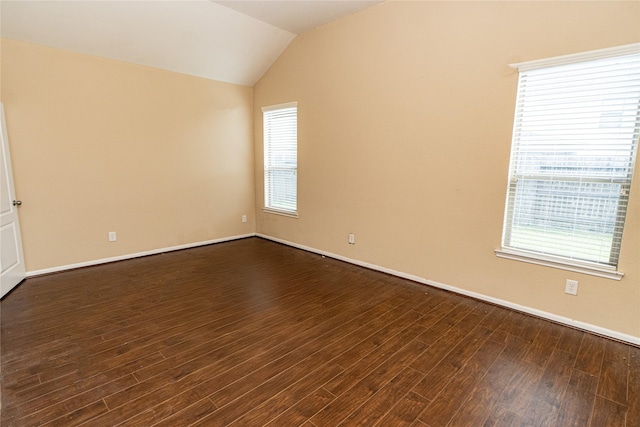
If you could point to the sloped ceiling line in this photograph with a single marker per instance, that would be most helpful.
(229, 41)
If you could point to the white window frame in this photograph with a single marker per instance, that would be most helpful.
(592, 268)
(271, 163)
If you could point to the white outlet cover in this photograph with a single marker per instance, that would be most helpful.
(571, 287)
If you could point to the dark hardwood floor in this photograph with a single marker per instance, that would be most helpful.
(253, 333)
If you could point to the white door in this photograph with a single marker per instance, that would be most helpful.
(11, 257)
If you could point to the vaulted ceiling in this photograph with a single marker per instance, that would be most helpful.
(230, 41)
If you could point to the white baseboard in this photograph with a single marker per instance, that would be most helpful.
(535, 312)
(135, 255)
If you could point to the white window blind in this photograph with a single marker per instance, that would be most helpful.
(281, 157)
(574, 145)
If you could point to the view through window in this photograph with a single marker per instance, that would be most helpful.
(574, 144)
(281, 158)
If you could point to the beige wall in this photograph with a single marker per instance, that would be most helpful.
(98, 145)
(405, 119)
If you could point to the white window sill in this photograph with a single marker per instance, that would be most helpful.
(549, 261)
(290, 214)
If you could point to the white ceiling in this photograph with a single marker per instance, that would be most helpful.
(230, 41)
(297, 16)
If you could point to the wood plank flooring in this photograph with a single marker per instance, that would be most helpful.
(253, 333)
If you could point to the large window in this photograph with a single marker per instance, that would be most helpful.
(281, 158)
(574, 145)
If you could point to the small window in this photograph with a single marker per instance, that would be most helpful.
(575, 139)
(281, 158)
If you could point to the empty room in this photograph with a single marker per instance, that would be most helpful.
(320, 213)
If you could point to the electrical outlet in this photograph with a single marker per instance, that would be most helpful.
(352, 239)
(571, 287)
(244, 218)
(112, 236)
